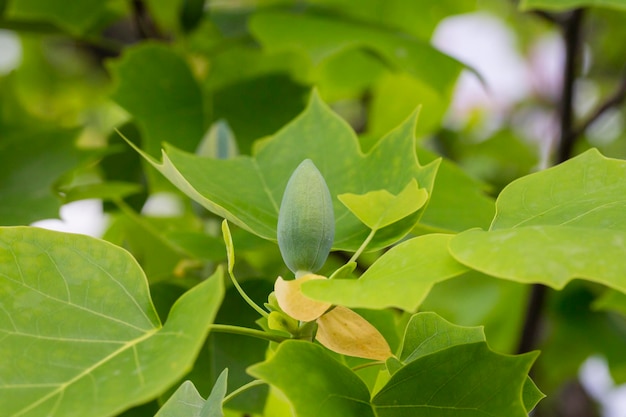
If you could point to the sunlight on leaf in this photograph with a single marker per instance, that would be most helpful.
(556, 225)
(402, 277)
(377, 209)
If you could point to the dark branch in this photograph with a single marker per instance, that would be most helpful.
(614, 100)
(572, 35)
(573, 42)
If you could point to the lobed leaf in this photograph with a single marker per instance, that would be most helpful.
(247, 190)
(556, 225)
(77, 321)
(467, 379)
(315, 384)
(402, 277)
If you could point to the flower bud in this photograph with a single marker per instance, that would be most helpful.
(306, 222)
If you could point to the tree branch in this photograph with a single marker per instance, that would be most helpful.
(573, 42)
(614, 100)
(572, 35)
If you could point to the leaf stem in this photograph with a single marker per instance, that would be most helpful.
(243, 295)
(242, 388)
(367, 365)
(366, 242)
(244, 331)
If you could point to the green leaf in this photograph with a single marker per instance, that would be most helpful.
(80, 328)
(380, 208)
(31, 165)
(473, 299)
(562, 5)
(213, 406)
(406, 16)
(186, 401)
(402, 277)
(155, 85)
(531, 395)
(322, 37)
(556, 225)
(458, 203)
(467, 379)
(260, 180)
(315, 384)
(75, 17)
(112, 190)
(612, 301)
(427, 333)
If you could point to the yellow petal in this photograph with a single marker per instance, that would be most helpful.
(293, 302)
(344, 331)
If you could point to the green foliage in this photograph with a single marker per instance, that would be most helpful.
(545, 220)
(440, 230)
(81, 329)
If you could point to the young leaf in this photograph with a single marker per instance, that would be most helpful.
(552, 226)
(402, 277)
(377, 209)
(186, 401)
(213, 405)
(293, 302)
(80, 328)
(261, 180)
(344, 331)
(219, 142)
(314, 383)
(427, 333)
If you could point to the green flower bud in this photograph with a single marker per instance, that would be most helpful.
(306, 223)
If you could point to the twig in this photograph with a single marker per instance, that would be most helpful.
(614, 100)
(572, 34)
(145, 25)
(573, 41)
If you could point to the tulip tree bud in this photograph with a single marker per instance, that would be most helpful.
(306, 222)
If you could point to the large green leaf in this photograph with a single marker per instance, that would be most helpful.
(556, 225)
(314, 382)
(156, 86)
(413, 17)
(247, 190)
(31, 163)
(467, 379)
(402, 277)
(78, 324)
(428, 333)
(76, 17)
(322, 37)
(559, 5)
